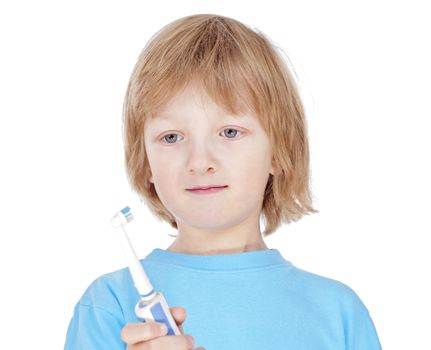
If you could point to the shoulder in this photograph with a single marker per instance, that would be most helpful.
(326, 291)
(338, 305)
(109, 291)
(101, 313)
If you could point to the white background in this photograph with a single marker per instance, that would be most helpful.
(364, 71)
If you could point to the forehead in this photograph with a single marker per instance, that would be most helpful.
(193, 98)
(178, 116)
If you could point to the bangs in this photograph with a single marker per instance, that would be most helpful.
(206, 51)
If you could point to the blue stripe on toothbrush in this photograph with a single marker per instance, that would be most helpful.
(152, 291)
(160, 316)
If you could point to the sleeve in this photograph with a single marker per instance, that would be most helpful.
(360, 332)
(94, 328)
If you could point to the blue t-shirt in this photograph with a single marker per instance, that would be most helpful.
(252, 300)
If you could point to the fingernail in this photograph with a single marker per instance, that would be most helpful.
(163, 328)
(192, 340)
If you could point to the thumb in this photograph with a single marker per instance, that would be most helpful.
(179, 315)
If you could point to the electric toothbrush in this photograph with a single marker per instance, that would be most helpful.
(152, 306)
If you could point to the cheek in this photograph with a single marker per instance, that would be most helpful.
(162, 169)
(257, 156)
(252, 169)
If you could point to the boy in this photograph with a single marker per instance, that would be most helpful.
(215, 136)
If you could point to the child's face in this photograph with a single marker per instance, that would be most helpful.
(192, 142)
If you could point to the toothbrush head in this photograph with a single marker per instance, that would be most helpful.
(127, 214)
(122, 217)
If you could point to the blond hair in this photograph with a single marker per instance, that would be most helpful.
(238, 68)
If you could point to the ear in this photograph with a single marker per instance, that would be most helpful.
(273, 167)
(150, 175)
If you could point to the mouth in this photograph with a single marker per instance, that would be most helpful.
(206, 189)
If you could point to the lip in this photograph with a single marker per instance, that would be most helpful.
(206, 189)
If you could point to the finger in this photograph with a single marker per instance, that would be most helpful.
(184, 341)
(133, 333)
(179, 314)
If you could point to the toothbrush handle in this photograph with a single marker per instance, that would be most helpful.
(157, 310)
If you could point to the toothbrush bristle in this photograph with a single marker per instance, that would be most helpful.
(127, 214)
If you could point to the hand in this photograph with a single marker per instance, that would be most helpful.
(149, 336)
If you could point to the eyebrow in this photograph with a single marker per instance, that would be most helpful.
(224, 116)
(162, 117)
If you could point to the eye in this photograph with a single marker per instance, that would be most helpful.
(172, 137)
(232, 129)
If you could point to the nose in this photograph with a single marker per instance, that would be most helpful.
(201, 158)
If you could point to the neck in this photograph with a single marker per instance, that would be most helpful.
(184, 244)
